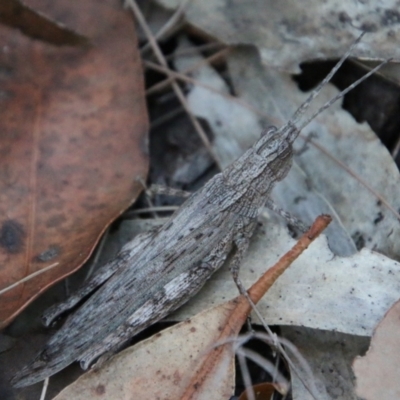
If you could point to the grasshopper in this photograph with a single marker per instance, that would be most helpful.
(157, 272)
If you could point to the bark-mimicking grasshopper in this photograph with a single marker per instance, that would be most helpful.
(157, 272)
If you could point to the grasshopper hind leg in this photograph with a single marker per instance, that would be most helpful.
(56, 310)
(164, 301)
(103, 274)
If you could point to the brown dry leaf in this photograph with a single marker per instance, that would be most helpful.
(15, 14)
(163, 366)
(377, 372)
(262, 391)
(182, 362)
(74, 131)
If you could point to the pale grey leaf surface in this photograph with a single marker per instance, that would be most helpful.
(329, 355)
(320, 290)
(288, 33)
(298, 195)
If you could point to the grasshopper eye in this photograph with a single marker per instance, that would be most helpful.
(267, 141)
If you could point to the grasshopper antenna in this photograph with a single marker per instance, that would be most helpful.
(301, 110)
(343, 93)
(293, 133)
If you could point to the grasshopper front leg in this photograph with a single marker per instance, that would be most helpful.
(241, 241)
(167, 191)
(289, 218)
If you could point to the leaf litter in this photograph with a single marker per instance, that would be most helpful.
(73, 126)
(323, 188)
(377, 371)
(194, 359)
(310, 291)
(337, 289)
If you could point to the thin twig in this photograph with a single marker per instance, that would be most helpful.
(209, 60)
(148, 199)
(265, 364)
(27, 278)
(169, 25)
(357, 178)
(44, 389)
(246, 375)
(147, 210)
(166, 117)
(99, 250)
(214, 46)
(278, 346)
(303, 364)
(193, 81)
(396, 149)
(178, 91)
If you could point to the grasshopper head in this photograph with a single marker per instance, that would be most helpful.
(273, 141)
(275, 147)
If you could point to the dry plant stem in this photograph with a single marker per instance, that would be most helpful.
(167, 117)
(289, 346)
(396, 149)
(282, 387)
(133, 213)
(169, 25)
(149, 201)
(27, 278)
(266, 365)
(209, 60)
(242, 308)
(213, 46)
(99, 250)
(44, 390)
(151, 206)
(303, 363)
(178, 91)
(184, 78)
(160, 189)
(246, 375)
(257, 291)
